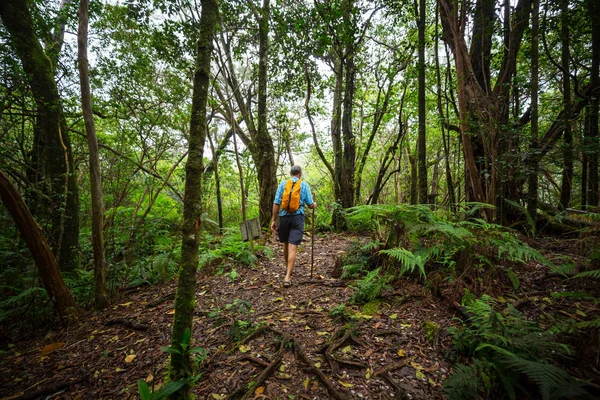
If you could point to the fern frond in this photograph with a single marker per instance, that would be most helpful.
(549, 378)
(408, 259)
(595, 274)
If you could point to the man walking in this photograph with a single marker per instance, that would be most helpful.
(289, 202)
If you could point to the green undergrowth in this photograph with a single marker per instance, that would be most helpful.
(500, 353)
(413, 240)
(224, 252)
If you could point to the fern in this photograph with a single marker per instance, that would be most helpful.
(595, 274)
(511, 346)
(408, 259)
(468, 381)
(552, 381)
(368, 288)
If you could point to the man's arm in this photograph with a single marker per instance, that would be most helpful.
(275, 213)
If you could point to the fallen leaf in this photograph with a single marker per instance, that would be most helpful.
(401, 353)
(393, 316)
(149, 378)
(416, 366)
(345, 384)
(419, 374)
(317, 365)
(282, 368)
(368, 374)
(171, 312)
(119, 369)
(278, 299)
(346, 349)
(244, 349)
(218, 396)
(293, 307)
(50, 348)
(129, 358)
(406, 325)
(322, 333)
(126, 304)
(259, 390)
(305, 383)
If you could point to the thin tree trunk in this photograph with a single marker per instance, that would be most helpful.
(38, 246)
(422, 142)
(532, 191)
(567, 175)
(592, 197)
(51, 157)
(100, 296)
(185, 300)
(449, 181)
(215, 161)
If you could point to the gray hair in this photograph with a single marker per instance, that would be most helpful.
(295, 170)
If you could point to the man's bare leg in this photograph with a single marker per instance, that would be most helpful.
(285, 252)
(291, 259)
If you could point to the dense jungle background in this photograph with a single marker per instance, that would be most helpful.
(452, 148)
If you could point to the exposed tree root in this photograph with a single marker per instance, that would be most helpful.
(300, 355)
(400, 392)
(258, 361)
(47, 390)
(269, 370)
(161, 300)
(333, 392)
(392, 367)
(129, 324)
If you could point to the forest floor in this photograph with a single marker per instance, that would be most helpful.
(392, 350)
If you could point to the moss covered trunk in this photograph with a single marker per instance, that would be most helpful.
(100, 296)
(52, 160)
(264, 144)
(185, 299)
(38, 246)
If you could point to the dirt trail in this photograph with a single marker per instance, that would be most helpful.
(385, 355)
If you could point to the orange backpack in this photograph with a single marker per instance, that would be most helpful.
(290, 200)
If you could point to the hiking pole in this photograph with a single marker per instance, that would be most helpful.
(312, 251)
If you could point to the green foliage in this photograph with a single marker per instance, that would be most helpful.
(418, 238)
(168, 389)
(369, 288)
(409, 261)
(514, 279)
(230, 249)
(595, 274)
(503, 347)
(357, 259)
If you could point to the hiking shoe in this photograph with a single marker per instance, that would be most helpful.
(287, 284)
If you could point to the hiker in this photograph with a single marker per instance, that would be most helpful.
(289, 202)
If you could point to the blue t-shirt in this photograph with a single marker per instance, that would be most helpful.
(305, 196)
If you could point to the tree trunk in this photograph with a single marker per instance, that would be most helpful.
(36, 243)
(567, 175)
(532, 190)
(185, 300)
(52, 158)
(443, 119)
(215, 161)
(100, 296)
(264, 145)
(422, 143)
(594, 145)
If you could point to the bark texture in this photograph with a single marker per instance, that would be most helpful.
(38, 246)
(100, 295)
(181, 367)
(52, 160)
